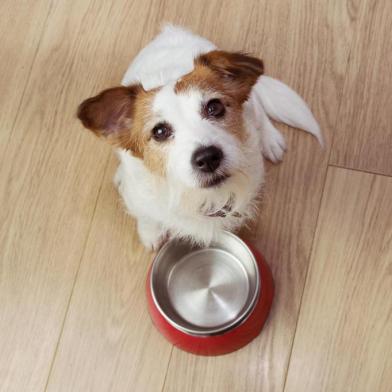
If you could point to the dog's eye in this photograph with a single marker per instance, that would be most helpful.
(161, 132)
(215, 108)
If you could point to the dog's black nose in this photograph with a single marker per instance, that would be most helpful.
(207, 159)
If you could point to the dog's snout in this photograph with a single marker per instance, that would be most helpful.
(207, 159)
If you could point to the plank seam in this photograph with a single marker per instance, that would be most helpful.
(77, 274)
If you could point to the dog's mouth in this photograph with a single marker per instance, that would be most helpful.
(214, 181)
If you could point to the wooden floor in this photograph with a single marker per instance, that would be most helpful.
(73, 313)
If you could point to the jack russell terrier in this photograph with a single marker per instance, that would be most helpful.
(191, 124)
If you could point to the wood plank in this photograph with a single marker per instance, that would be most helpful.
(297, 54)
(363, 138)
(21, 27)
(109, 342)
(48, 201)
(50, 179)
(344, 334)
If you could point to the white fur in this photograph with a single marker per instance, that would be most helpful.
(175, 204)
(283, 104)
(166, 58)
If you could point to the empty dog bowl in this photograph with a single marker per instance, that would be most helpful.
(209, 301)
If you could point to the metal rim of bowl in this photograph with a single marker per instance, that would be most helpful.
(213, 331)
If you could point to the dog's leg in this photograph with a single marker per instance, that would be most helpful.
(272, 141)
(151, 233)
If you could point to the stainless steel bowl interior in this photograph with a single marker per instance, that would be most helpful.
(205, 291)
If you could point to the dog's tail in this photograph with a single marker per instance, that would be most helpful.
(283, 104)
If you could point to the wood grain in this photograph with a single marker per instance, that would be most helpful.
(73, 315)
(293, 189)
(344, 334)
(109, 342)
(49, 182)
(363, 138)
(21, 27)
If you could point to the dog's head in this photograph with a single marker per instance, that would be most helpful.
(192, 130)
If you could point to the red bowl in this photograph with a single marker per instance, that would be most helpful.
(230, 340)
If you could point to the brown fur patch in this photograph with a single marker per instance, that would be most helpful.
(109, 113)
(119, 114)
(231, 76)
(135, 138)
(232, 73)
(152, 153)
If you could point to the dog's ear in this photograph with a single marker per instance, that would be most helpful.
(239, 71)
(109, 113)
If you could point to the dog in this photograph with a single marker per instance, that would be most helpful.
(191, 124)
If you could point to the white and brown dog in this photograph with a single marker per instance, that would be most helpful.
(191, 124)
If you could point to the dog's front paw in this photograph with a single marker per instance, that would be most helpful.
(273, 144)
(151, 234)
